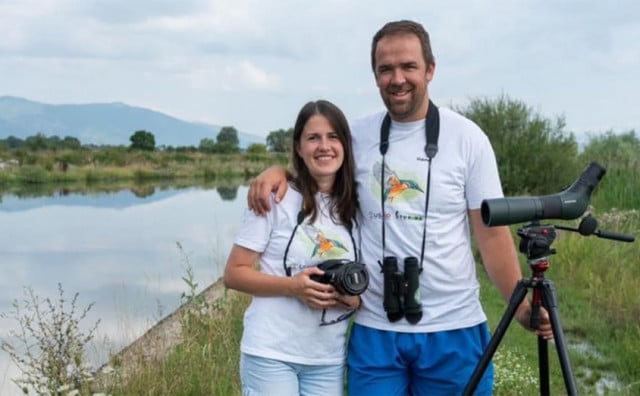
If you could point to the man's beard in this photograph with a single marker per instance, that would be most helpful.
(401, 111)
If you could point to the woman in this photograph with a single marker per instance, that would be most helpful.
(294, 329)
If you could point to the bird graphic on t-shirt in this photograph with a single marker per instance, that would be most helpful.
(321, 243)
(393, 185)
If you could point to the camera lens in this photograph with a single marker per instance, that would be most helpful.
(346, 276)
(355, 279)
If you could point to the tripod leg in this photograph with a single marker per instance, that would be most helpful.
(516, 298)
(550, 303)
(543, 366)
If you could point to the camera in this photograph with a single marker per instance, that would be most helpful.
(347, 277)
(402, 289)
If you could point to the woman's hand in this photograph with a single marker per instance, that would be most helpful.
(314, 294)
(350, 302)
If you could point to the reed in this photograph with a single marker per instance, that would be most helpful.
(116, 165)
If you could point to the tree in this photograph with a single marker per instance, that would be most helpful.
(257, 148)
(280, 141)
(143, 140)
(13, 142)
(207, 146)
(70, 142)
(535, 155)
(228, 134)
(37, 142)
(227, 140)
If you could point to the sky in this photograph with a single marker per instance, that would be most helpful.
(252, 64)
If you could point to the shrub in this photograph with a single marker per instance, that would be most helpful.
(111, 156)
(49, 347)
(535, 155)
(33, 174)
(618, 153)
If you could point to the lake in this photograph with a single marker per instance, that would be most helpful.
(123, 251)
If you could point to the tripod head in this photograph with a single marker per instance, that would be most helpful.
(536, 239)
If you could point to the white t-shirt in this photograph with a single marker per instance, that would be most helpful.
(281, 327)
(463, 173)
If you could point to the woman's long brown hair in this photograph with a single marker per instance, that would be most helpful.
(344, 200)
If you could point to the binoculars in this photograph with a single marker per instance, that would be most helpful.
(402, 289)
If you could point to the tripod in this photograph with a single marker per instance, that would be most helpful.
(535, 243)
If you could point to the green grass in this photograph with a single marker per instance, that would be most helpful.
(596, 285)
(595, 281)
(205, 363)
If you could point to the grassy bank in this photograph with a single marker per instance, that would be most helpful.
(205, 363)
(120, 165)
(596, 285)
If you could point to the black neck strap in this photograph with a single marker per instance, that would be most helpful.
(432, 131)
(299, 220)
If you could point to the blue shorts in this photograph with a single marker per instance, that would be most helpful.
(391, 363)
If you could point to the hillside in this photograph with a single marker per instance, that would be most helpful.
(103, 123)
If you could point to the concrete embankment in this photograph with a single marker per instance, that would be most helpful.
(155, 343)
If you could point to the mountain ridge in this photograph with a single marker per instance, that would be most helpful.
(104, 123)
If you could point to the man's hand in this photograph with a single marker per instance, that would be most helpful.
(273, 179)
(523, 315)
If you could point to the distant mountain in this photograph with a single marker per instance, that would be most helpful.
(103, 123)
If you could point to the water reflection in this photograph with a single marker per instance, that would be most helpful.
(228, 193)
(118, 248)
(140, 188)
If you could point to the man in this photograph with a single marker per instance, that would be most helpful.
(421, 328)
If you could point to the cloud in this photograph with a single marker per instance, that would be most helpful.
(249, 75)
(118, 12)
(210, 60)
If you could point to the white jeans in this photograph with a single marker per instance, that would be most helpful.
(268, 377)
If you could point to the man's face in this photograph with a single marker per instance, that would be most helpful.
(402, 76)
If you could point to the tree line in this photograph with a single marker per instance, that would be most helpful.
(225, 142)
(527, 145)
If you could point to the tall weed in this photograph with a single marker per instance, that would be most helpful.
(49, 347)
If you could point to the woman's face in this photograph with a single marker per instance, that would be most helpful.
(321, 150)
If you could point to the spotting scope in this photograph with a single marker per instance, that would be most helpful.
(567, 205)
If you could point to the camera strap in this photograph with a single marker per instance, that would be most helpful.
(299, 220)
(432, 130)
